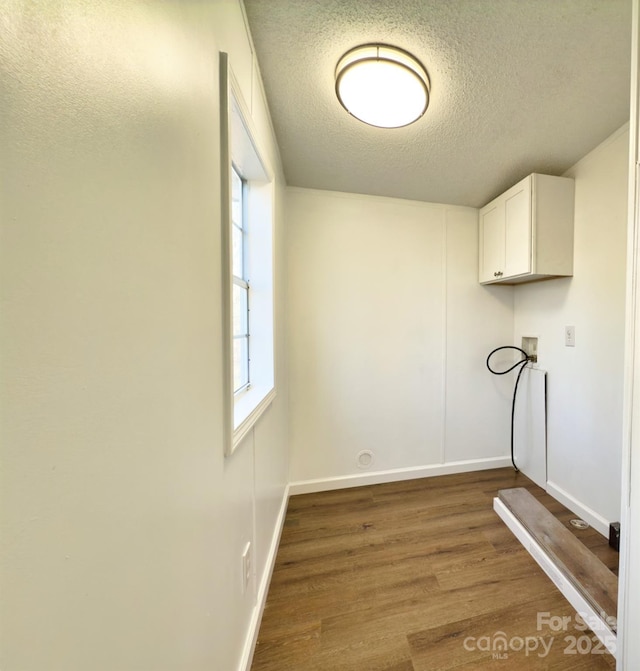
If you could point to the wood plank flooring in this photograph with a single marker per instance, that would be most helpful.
(419, 575)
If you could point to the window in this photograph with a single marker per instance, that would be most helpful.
(247, 248)
(240, 304)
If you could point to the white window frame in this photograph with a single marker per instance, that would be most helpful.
(240, 279)
(239, 147)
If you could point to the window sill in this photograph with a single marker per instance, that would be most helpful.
(248, 408)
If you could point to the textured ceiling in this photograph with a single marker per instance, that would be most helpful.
(517, 86)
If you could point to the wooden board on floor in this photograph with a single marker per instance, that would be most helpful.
(582, 568)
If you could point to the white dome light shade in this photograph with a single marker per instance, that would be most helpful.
(382, 86)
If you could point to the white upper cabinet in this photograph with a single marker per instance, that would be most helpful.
(526, 234)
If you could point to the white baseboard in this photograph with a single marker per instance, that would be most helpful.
(595, 620)
(396, 474)
(263, 589)
(584, 512)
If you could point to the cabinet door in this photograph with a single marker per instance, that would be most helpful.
(517, 229)
(491, 241)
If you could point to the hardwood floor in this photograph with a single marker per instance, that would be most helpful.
(419, 575)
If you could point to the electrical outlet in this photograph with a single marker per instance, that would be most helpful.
(246, 567)
(569, 336)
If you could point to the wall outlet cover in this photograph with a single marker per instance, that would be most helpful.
(570, 336)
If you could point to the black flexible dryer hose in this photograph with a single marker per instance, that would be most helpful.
(522, 363)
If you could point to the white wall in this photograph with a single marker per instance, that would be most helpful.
(585, 383)
(122, 523)
(389, 332)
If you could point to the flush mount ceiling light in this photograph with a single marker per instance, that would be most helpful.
(383, 86)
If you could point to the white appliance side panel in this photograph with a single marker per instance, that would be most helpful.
(530, 427)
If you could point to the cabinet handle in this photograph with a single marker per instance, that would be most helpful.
(498, 273)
